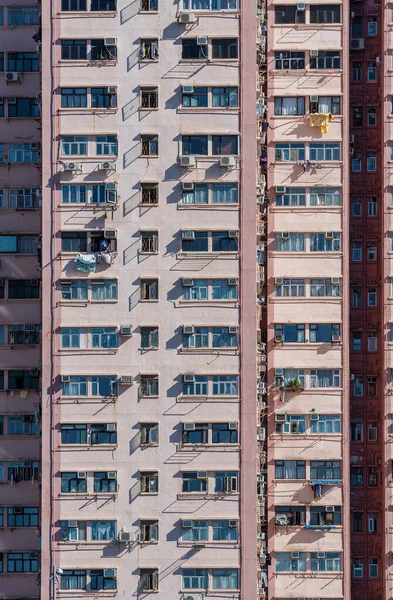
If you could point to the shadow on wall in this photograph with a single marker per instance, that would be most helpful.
(129, 11)
(131, 155)
(131, 252)
(130, 108)
(134, 297)
(131, 203)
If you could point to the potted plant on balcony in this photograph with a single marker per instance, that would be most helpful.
(295, 385)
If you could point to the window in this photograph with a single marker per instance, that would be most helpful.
(224, 49)
(285, 562)
(372, 297)
(104, 433)
(74, 145)
(224, 241)
(149, 242)
(149, 289)
(357, 116)
(293, 61)
(356, 476)
(23, 16)
(356, 207)
(224, 531)
(222, 337)
(73, 5)
(373, 568)
(22, 562)
(198, 98)
(371, 386)
(323, 332)
(21, 471)
(291, 197)
(326, 424)
(149, 385)
(372, 342)
(373, 477)
(372, 522)
(286, 15)
(325, 242)
(372, 432)
(326, 59)
(289, 376)
(372, 71)
(215, 289)
(291, 288)
(324, 151)
(149, 49)
(357, 568)
(294, 424)
(324, 288)
(358, 386)
(104, 337)
(22, 425)
(74, 97)
(330, 562)
(195, 145)
(224, 145)
(290, 515)
(199, 532)
(74, 579)
(149, 434)
(371, 161)
(356, 163)
(357, 522)
(225, 385)
(149, 193)
(195, 241)
(289, 242)
(225, 579)
(22, 516)
(325, 197)
(371, 252)
(102, 98)
(23, 62)
(290, 333)
(191, 483)
(356, 431)
(357, 341)
(22, 153)
(371, 117)
(356, 251)
(148, 531)
(74, 290)
(372, 26)
(372, 207)
(106, 145)
(196, 388)
(324, 13)
(149, 337)
(289, 152)
(226, 482)
(149, 145)
(194, 579)
(100, 51)
(105, 482)
(210, 5)
(224, 97)
(191, 50)
(74, 434)
(290, 469)
(71, 483)
(103, 579)
(149, 98)
(74, 49)
(356, 297)
(148, 580)
(101, 386)
(319, 515)
(23, 380)
(320, 469)
(357, 71)
(149, 482)
(224, 433)
(198, 339)
(103, 530)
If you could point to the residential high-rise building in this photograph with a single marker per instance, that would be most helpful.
(20, 307)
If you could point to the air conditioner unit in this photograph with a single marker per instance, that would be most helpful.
(126, 380)
(336, 338)
(188, 329)
(232, 523)
(112, 89)
(295, 554)
(234, 329)
(35, 146)
(329, 509)
(110, 427)
(279, 372)
(189, 378)
(110, 234)
(280, 189)
(314, 53)
(126, 537)
(186, 282)
(201, 474)
(279, 281)
(111, 186)
(192, 597)
(65, 379)
(187, 234)
(314, 417)
(109, 572)
(34, 555)
(34, 372)
(260, 437)
(187, 161)
(110, 42)
(227, 161)
(233, 233)
(374, 470)
(37, 192)
(352, 138)
(126, 330)
(72, 523)
(357, 44)
(108, 165)
(321, 554)
(351, 151)
(81, 475)
(189, 426)
(313, 98)
(285, 235)
(112, 475)
(232, 281)
(187, 523)
(301, 6)
(232, 426)
(29, 327)
(279, 338)
(187, 186)
(202, 41)
(329, 235)
(187, 18)
(12, 99)
(12, 76)
(18, 510)
(187, 89)
(28, 418)
(335, 280)
(280, 418)
(72, 166)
